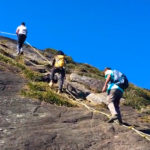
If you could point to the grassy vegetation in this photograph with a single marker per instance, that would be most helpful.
(137, 97)
(49, 51)
(3, 42)
(90, 71)
(29, 74)
(70, 68)
(41, 91)
(2, 51)
(145, 118)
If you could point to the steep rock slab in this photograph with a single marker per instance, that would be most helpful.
(29, 125)
(29, 52)
(10, 83)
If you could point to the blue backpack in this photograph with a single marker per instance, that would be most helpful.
(120, 79)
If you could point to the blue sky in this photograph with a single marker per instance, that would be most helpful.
(114, 33)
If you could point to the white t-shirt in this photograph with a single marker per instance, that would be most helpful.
(21, 30)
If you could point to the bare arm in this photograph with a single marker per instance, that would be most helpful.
(106, 82)
(17, 31)
(53, 62)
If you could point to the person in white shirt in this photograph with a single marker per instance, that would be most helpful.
(21, 32)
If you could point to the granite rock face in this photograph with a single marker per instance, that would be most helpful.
(31, 124)
(28, 124)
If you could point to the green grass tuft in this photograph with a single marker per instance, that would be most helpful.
(89, 71)
(42, 92)
(136, 97)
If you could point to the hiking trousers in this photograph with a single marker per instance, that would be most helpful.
(61, 71)
(21, 40)
(113, 101)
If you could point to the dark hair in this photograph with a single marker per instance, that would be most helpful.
(107, 68)
(60, 53)
(23, 23)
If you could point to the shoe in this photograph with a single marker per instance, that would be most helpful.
(113, 118)
(18, 53)
(51, 84)
(21, 53)
(119, 120)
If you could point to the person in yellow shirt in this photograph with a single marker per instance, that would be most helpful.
(58, 67)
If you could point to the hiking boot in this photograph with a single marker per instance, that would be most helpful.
(113, 118)
(119, 120)
(21, 53)
(18, 53)
(51, 84)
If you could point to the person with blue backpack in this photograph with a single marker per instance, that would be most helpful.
(115, 84)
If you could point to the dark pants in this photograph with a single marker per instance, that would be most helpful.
(21, 40)
(61, 71)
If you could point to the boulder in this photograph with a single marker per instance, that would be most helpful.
(96, 98)
(47, 77)
(77, 89)
(92, 84)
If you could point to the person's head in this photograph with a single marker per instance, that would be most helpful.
(106, 68)
(23, 23)
(60, 53)
(104, 72)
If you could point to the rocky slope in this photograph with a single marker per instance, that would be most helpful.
(33, 124)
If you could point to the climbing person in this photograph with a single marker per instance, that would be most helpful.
(58, 67)
(115, 84)
(21, 32)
